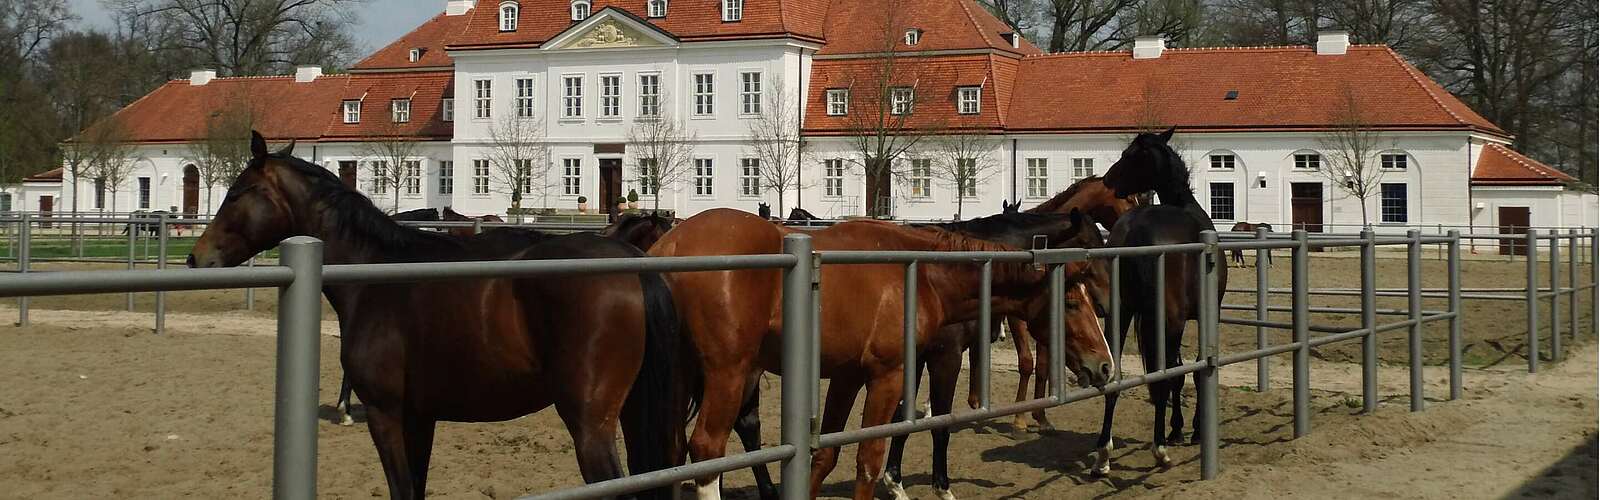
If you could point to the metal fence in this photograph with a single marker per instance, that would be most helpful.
(300, 275)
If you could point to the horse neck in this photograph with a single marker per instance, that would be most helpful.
(377, 239)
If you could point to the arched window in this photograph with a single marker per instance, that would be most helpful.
(1222, 159)
(580, 10)
(658, 8)
(508, 16)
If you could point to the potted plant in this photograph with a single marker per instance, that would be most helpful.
(633, 199)
(583, 204)
(622, 203)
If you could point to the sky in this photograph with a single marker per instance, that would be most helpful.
(381, 21)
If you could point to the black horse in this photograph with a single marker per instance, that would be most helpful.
(764, 210)
(144, 226)
(1150, 164)
(801, 215)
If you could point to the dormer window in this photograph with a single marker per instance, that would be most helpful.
(969, 100)
(732, 10)
(913, 36)
(508, 16)
(658, 8)
(415, 55)
(580, 10)
(400, 110)
(352, 111)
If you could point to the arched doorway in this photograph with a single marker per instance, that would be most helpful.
(191, 191)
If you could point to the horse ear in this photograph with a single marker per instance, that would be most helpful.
(258, 145)
(1167, 136)
(287, 150)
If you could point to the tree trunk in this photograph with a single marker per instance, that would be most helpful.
(878, 189)
(780, 201)
(1365, 222)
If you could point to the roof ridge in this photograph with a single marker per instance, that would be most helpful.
(1417, 79)
(1245, 48)
(972, 20)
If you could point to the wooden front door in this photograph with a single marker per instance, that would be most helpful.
(191, 191)
(1514, 220)
(610, 186)
(47, 204)
(1305, 204)
(347, 173)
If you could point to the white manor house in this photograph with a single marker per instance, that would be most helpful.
(1252, 122)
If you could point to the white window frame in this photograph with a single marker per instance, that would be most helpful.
(1082, 168)
(913, 36)
(704, 86)
(352, 111)
(732, 10)
(143, 192)
(969, 100)
(749, 177)
(750, 92)
(838, 102)
(1405, 203)
(581, 9)
(649, 95)
(380, 176)
(412, 170)
(968, 167)
(448, 107)
(1308, 161)
(481, 169)
(704, 177)
(509, 11)
(902, 100)
(524, 171)
(649, 177)
(447, 177)
(657, 8)
(572, 177)
(833, 178)
(1232, 198)
(482, 99)
(523, 103)
(1037, 177)
(400, 110)
(572, 96)
(1398, 162)
(1222, 161)
(920, 178)
(611, 95)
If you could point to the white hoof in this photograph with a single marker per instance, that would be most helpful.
(1102, 459)
(895, 490)
(346, 420)
(710, 491)
(1162, 458)
(944, 494)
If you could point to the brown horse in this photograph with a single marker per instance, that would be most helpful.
(602, 349)
(463, 232)
(640, 230)
(1246, 227)
(735, 318)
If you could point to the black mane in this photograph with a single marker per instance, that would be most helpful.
(1011, 228)
(351, 216)
(1063, 197)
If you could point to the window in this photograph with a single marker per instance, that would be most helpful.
(1393, 203)
(913, 36)
(447, 177)
(508, 16)
(352, 111)
(969, 100)
(449, 107)
(524, 177)
(833, 178)
(572, 176)
(921, 178)
(572, 97)
(524, 102)
(1395, 161)
(414, 55)
(1308, 161)
(705, 92)
(901, 97)
(1038, 177)
(658, 8)
(380, 176)
(144, 192)
(5, 202)
(649, 177)
(649, 95)
(732, 10)
(750, 93)
(480, 177)
(1222, 162)
(838, 102)
(702, 177)
(482, 95)
(1082, 168)
(580, 10)
(967, 174)
(611, 96)
(750, 177)
(413, 179)
(99, 194)
(1222, 200)
(400, 109)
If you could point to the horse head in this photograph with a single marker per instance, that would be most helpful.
(764, 210)
(1148, 164)
(258, 211)
(1007, 207)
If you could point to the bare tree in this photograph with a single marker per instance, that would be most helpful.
(249, 37)
(111, 158)
(1020, 15)
(1350, 153)
(963, 161)
(26, 26)
(392, 162)
(519, 158)
(662, 147)
(1080, 25)
(225, 150)
(776, 143)
(882, 101)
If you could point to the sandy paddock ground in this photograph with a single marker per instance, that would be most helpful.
(93, 405)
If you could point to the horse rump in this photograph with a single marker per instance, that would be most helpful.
(668, 384)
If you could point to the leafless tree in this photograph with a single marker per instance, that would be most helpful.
(1350, 152)
(963, 161)
(519, 159)
(882, 103)
(775, 141)
(1079, 25)
(1020, 15)
(250, 37)
(225, 150)
(111, 157)
(663, 152)
(26, 26)
(390, 156)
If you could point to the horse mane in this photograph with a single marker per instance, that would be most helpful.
(1060, 199)
(352, 216)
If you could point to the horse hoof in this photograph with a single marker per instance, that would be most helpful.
(709, 491)
(347, 421)
(1102, 459)
(1163, 459)
(894, 489)
(944, 494)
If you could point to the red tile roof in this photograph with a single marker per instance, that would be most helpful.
(935, 80)
(854, 27)
(690, 20)
(1500, 166)
(1279, 88)
(377, 91)
(52, 175)
(431, 37)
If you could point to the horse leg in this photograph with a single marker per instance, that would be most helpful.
(594, 441)
(723, 395)
(1174, 340)
(1159, 393)
(841, 397)
(1041, 379)
(419, 449)
(882, 395)
(388, 431)
(897, 448)
(1025, 367)
(343, 406)
(943, 374)
(1104, 444)
(748, 427)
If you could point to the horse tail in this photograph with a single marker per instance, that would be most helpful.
(668, 385)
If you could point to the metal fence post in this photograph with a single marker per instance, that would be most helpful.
(1531, 248)
(909, 345)
(161, 263)
(1555, 295)
(1455, 311)
(1414, 314)
(1573, 283)
(24, 255)
(133, 242)
(294, 458)
(1369, 321)
(1594, 277)
(1205, 380)
(477, 226)
(1160, 301)
(250, 293)
(985, 320)
(1058, 331)
(798, 404)
(1263, 287)
(1302, 352)
(1114, 316)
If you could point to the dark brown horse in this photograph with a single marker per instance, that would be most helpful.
(602, 349)
(640, 230)
(1150, 164)
(449, 215)
(735, 317)
(1246, 227)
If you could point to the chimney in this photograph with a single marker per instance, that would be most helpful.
(200, 77)
(458, 7)
(303, 74)
(1148, 46)
(1332, 43)
(1014, 38)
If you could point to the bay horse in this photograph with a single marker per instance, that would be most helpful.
(1150, 164)
(1246, 227)
(640, 230)
(734, 317)
(602, 349)
(449, 215)
(418, 215)
(801, 215)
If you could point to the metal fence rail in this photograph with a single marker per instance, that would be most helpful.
(300, 276)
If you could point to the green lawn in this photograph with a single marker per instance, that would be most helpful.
(99, 248)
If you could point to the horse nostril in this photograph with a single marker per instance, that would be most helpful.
(1105, 369)
(191, 261)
